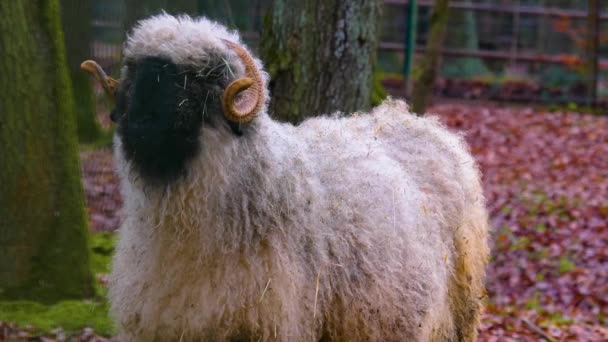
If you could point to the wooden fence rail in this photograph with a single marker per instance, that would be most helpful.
(499, 8)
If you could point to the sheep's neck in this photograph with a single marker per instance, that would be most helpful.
(236, 206)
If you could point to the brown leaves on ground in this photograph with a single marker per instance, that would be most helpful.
(546, 182)
(101, 188)
(11, 332)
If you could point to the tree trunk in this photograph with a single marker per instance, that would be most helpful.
(176, 7)
(467, 38)
(426, 73)
(138, 9)
(43, 225)
(320, 55)
(76, 18)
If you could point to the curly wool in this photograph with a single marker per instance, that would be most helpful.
(369, 227)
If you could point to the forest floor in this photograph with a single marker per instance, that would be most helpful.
(545, 177)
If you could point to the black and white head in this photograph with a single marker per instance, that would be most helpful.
(180, 75)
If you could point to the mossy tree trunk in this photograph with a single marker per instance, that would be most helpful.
(43, 226)
(425, 72)
(320, 55)
(76, 19)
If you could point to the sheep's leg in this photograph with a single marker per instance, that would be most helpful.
(243, 337)
(466, 290)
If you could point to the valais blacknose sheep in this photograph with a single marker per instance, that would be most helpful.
(369, 227)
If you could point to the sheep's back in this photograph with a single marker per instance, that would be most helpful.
(389, 249)
(398, 189)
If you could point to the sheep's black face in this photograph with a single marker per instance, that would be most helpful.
(160, 108)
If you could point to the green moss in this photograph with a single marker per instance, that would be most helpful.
(541, 228)
(102, 249)
(565, 265)
(379, 93)
(533, 303)
(275, 57)
(540, 254)
(45, 227)
(70, 315)
(559, 319)
(89, 129)
(506, 210)
(522, 243)
(104, 141)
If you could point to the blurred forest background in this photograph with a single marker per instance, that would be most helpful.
(526, 80)
(516, 50)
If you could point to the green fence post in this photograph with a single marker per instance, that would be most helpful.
(593, 45)
(410, 41)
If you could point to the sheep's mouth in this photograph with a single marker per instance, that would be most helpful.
(157, 137)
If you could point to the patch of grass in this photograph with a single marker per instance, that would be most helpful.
(541, 228)
(565, 265)
(574, 107)
(557, 318)
(533, 303)
(540, 254)
(522, 243)
(104, 141)
(540, 197)
(102, 247)
(70, 315)
(379, 93)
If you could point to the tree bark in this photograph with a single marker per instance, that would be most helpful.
(426, 73)
(43, 226)
(76, 19)
(466, 38)
(320, 55)
(189, 7)
(138, 9)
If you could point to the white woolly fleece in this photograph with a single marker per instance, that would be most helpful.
(366, 228)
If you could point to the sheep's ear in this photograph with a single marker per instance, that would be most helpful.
(109, 84)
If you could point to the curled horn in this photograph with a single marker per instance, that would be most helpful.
(109, 84)
(243, 108)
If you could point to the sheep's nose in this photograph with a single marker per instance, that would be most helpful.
(151, 133)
